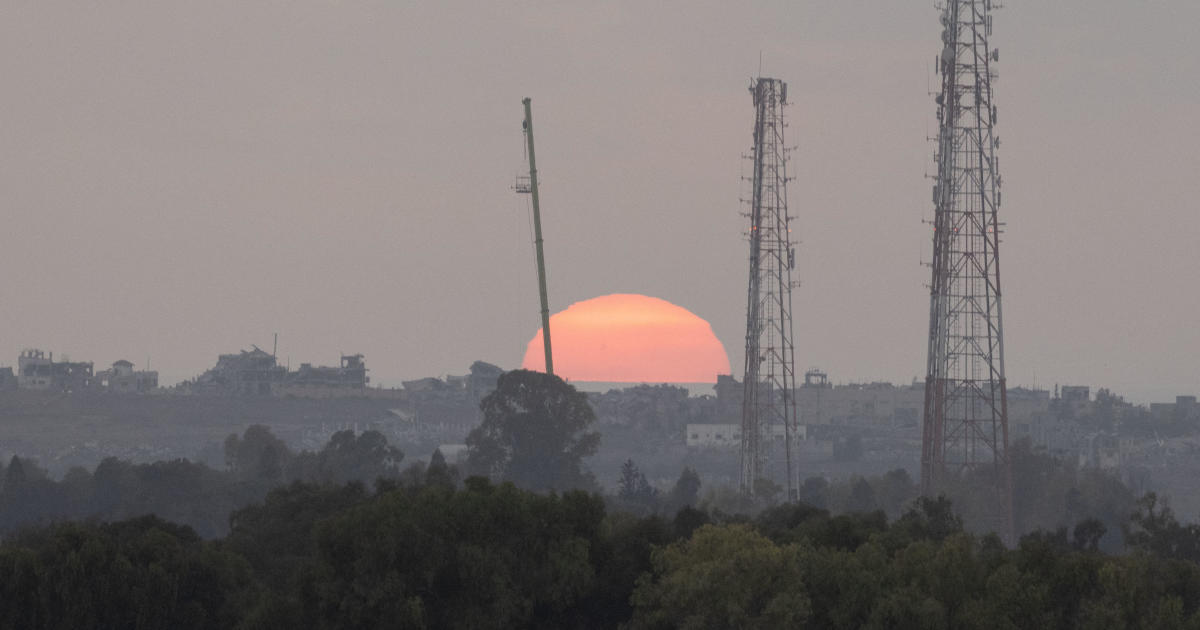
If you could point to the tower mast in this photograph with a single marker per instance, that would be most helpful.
(965, 433)
(532, 188)
(769, 379)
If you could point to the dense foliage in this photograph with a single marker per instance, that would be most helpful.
(185, 492)
(138, 573)
(343, 537)
(422, 551)
(534, 433)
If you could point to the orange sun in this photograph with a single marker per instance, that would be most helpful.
(630, 338)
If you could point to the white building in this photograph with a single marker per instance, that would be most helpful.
(699, 435)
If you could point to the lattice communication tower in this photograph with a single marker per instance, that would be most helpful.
(769, 379)
(965, 435)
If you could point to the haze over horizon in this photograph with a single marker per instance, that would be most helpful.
(184, 180)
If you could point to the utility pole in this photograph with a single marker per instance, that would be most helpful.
(965, 429)
(769, 379)
(531, 187)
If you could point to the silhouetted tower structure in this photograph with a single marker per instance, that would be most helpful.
(529, 185)
(965, 436)
(769, 379)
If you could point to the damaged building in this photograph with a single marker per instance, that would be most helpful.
(256, 372)
(473, 386)
(352, 372)
(121, 378)
(8, 379)
(247, 373)
(37, 370)
(348, 378)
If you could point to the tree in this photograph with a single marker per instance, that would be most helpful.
(707, 582)
(14, 476)
(349, 457)
(257, 455)
(634, 490)
(534, 433)
(766, 490)
(439, 473)
(138, 573)
(1158, 532)
(1087, 534)
(815, 492)
(894, 491)
(930, 519)
(633, 484)
(482, 557)
(686, 491)
(277, 536)
(862, 496)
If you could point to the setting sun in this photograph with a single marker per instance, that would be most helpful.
(630, 338)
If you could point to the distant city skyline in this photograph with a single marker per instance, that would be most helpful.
(185, 180)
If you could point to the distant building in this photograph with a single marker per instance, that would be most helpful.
(480, 382)
(256, 373)
(1076, 393)
(348, 379)
(729, 395)
(819, 402)
(860, 403)
(352, 373)
(728, 435)
(661, 409)
(483, 379)
(248, 373)
(37, 370)
(816, 378)
(1184, 408)
(8, 379)
(1103, 451)
(714, 434)
(427, 384)
(123, 379)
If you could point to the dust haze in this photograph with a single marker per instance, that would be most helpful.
(186, 180)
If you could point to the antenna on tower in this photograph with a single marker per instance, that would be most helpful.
(965, 432)
(769, 379)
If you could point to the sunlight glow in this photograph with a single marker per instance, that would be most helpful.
(630, 338)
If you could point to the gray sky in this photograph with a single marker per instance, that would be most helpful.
(183, 179)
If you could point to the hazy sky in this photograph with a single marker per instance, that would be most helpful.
(183, 179)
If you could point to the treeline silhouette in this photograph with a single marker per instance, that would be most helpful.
(1049, 493)
(427, 551)
(186, 492)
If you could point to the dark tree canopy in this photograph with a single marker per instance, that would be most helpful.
(421, 552)
(686, 491)
(634, 490)
(257, 454)
(138, 573)
(534, 433)
(439, 473)
(191, 493)
(349, 457)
